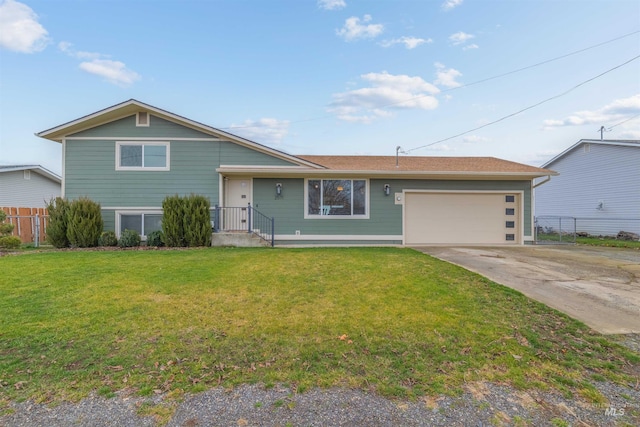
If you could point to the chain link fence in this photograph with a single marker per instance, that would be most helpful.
(565, 229)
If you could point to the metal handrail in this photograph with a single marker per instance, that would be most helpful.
(243, 219)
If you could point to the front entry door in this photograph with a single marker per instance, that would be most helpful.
(237, 197)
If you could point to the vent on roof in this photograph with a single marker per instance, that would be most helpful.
(27, 174)
(142, 119)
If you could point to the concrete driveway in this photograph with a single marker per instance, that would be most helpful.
(597, 285)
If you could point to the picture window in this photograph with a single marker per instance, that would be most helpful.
(142, 156)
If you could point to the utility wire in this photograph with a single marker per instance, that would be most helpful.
(624, 121)
(527, 108)
(461, 86)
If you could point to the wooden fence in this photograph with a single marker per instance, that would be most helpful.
(27, 222)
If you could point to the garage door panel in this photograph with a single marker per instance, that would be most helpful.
(457, 218)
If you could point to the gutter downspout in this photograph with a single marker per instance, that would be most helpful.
(542, 182)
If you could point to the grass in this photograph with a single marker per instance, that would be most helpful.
(590, 241)
(392, 321)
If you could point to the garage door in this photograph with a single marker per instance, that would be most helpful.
(461, 218)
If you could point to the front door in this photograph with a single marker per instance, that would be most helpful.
(237, 197)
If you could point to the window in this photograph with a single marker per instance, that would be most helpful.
(510, 237)
(336, 198)
(510, 224)
(142, 156)
(143, 223)
(510, 211)
(510, 198)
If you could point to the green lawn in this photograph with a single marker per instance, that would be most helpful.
(389, 320)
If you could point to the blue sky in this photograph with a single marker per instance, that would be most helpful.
(329, 76)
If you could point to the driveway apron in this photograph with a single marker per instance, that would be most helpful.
(597, 285)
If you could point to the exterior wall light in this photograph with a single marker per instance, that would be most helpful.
(278, 189)
(387, 189)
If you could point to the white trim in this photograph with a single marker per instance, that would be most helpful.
(120, 212)
(333, 237)
(519, 211)
(367, 208)
(138, 124)
(131, 208)
(165, 144)
(64, 168)
(137, 138)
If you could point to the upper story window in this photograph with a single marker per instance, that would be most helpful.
(151, 156)
(336, 198)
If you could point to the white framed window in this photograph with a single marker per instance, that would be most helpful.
(148, 156)
(142, 119)
(336, 198)
(142, 222)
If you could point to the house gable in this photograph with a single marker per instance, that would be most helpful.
(126, 128)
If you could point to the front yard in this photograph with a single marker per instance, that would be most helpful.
(391, 321)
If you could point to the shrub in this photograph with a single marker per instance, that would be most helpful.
(197, 221)
(172, 221)
(58, 210)
(129, 239)
(10, 242)
(108, 238)
(85, 223)
(5, 228)
(155, 238)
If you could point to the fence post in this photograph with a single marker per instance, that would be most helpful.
(249, 218)
(560, 222)
(36, 237)
(216, 219)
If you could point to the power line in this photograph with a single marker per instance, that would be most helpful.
(527, 108)
(461, 86)
(624, 121)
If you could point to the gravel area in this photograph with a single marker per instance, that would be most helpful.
(482, 404)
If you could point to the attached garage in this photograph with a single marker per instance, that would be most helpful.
(462, 218)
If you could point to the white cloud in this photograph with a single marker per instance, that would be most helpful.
(470, 46)
(331, 4)
(21, 31)
(114, 72)
(460, 37)
(451, 4)
(67, 48)
(353, 29)
(447, 76)
(384, 90)
(265, 131)
(610, 114)
(409, 42)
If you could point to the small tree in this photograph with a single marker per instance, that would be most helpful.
(85, 223)
(58, 210)
(7, 241)
(172, 221)
(197, 221)
(5, 228)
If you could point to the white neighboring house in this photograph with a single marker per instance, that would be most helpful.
(28, 186)
(598, 185)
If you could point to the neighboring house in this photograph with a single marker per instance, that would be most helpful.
(599, 186)
(27, 186)
(130, 156)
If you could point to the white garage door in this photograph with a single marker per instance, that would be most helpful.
(461, 218)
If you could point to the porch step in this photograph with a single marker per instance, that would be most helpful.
(239, 240)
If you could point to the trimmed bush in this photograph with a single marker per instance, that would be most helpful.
(10, 242)
(58, 210)
(85, 223)
(172, 221)
(155, 238)
(197, 221)
(129, 239)
(108, 238)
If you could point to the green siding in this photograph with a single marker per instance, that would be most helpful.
(126, 128)
(385, 217)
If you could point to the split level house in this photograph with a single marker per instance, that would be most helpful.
(130, 156)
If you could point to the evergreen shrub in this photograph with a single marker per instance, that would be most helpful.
(10, 242)
(172, 221)
(58, 210)
(197, 221)
(129, 239)
(108, 238)
(85, 223)
(155, 238)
